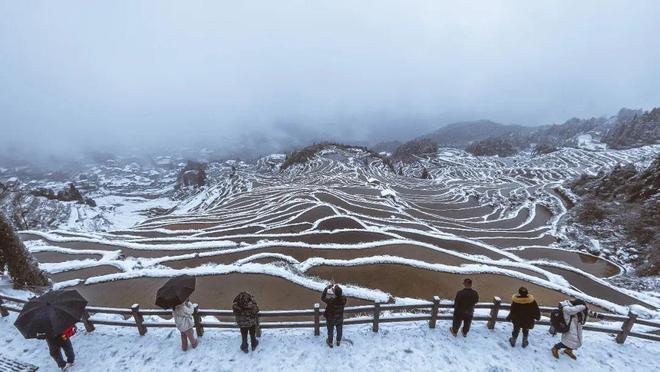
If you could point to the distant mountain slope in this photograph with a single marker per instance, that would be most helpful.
(462, 133)
(639, 130)
(629, 128)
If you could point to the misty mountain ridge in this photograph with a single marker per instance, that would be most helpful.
(627, 129)
(463, 133)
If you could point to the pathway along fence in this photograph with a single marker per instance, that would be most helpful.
(370, 314)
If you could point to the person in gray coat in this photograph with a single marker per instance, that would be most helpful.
(246, 310)
(575, 315)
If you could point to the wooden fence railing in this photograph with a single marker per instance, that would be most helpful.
(366, 314)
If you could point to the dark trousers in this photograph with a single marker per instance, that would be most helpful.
(253, 338)
(331, 324)
(465, 318)
(55, 347)
(561, 346)
(516, 331)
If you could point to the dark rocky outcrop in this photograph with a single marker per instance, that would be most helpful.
(624, 205)
(192, 175)
(69, 194)
(501, 146)
(304, 155)
(416, 148)
(543, 148)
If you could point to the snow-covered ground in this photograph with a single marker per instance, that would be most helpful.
(401, 346)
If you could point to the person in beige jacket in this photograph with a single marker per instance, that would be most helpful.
(183, 318)
(575, 315)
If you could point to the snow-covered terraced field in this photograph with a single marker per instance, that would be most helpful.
(347, 217)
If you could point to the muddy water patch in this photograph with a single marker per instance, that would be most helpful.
(57, 257)
(594, 288)
(586, 262)
(406, 281)
(301, 254)
(211, 292)
(84, 273)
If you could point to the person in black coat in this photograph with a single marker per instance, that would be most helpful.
(524, 312)
(464, 303)
(246, 312)
(334, 311)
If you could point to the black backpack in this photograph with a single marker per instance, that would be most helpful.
(558, 323)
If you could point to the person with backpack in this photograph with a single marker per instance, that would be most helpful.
(183, 318)
(246, 310)
(63, 342)
(573, 313)
(334, 311)
(524, 311)
(464, 303)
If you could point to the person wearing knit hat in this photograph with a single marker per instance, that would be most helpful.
(523, 314)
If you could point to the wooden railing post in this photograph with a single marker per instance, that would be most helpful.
(198, 321)
(89, 326)
(493, 312)
(434, 311)
(3, 311)
(376, 316)
(626, 327)
(317, 319)
(139, 320)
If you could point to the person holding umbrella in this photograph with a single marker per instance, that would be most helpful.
(183, 318)
(52, 317)
(62, 343)
(175, 295)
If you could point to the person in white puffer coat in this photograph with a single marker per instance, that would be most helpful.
(575, 315)
(183, 318)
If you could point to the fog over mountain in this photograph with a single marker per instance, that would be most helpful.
(151, 75)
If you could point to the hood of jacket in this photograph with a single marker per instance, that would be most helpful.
(522, 300)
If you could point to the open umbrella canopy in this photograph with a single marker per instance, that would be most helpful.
(175, 291)
(50, 314)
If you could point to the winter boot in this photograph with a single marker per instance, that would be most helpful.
(454, 333)
(525, 342)
(244, 348)
(338, 342)
(570, 354)
(555, 352)
(255, 344)
(512, 341)
(329, 342)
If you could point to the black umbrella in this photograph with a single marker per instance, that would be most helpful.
(175, 291)
(49, 315)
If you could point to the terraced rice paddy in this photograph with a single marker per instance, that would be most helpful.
(347, 218)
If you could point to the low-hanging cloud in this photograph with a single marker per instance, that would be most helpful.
(159, 74)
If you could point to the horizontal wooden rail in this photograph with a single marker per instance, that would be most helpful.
(366, 314)
(646, 322)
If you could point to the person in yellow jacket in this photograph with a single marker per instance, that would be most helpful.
(523, 314)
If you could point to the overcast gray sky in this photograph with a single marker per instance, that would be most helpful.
(75, 74)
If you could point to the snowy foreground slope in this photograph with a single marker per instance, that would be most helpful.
(402, 347)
